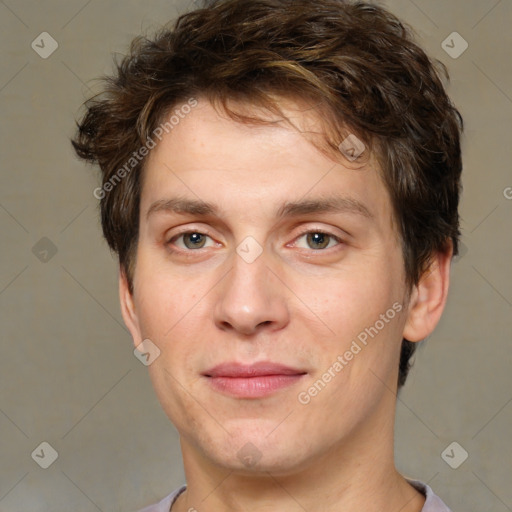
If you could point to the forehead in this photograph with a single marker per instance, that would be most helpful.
(207, 155)
(297, 120)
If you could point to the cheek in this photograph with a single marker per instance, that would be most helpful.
(164, 299)
(349, 301)
(172, 315)
(176, 314)
(363, 311)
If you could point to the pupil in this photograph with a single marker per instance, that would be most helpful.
(194, 240)
(318, 239)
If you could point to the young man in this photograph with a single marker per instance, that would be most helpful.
(280, 181)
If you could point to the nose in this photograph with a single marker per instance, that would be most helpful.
(251, 298)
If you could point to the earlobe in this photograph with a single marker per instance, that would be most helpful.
(428, 298)
(128, 309)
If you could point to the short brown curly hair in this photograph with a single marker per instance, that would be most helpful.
(355, 62)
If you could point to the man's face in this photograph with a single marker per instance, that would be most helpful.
(250, 312)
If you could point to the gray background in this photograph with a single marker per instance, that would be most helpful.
(68, 373)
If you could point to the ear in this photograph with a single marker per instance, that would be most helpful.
(428, 297)
(128, 309)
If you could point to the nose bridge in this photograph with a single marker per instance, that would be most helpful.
(251, 296)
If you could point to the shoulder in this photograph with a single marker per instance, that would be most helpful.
(165, 504)
(432, 502)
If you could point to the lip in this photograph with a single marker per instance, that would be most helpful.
(252, 381)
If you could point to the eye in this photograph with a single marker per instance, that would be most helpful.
(190, 240)
(318, 240)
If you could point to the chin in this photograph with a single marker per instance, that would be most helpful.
(253, 453)
(252, 462)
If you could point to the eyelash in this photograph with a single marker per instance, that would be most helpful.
(300, 235)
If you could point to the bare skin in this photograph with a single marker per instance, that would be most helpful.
(301, 303)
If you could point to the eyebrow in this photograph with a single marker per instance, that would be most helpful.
(201, 208)
(183, 206)
(335, 204)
